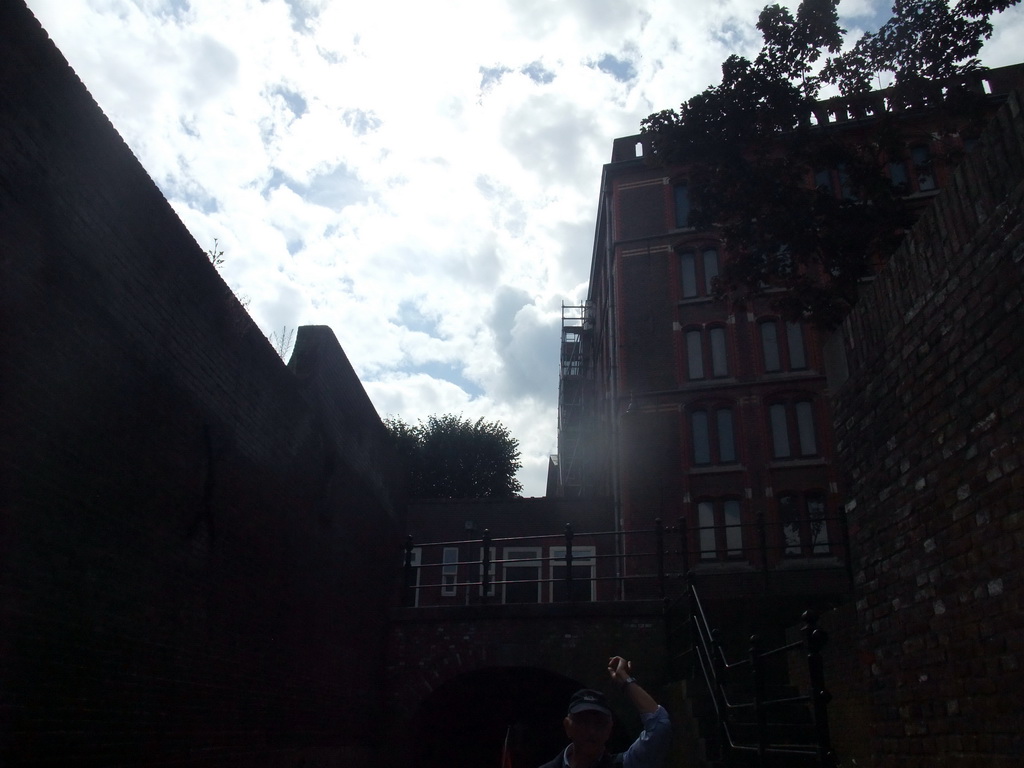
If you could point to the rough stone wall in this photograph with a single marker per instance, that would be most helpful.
(930, 427)
(195, 541)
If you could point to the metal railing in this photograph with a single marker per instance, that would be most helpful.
(741, 703)
(653, 562)
(607, 576)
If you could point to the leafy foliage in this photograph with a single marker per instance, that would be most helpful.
(449, 457)
(752, 148)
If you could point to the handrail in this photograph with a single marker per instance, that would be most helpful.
(714, 666)
(662, 557)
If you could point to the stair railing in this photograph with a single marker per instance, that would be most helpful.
(716, 671)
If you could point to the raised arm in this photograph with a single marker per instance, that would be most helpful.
(621, 671)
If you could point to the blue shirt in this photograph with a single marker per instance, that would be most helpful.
(651, 746)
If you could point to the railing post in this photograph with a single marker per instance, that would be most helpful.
(815, 639)
(718, 672)
(485, 567)
(408, 592)
(568, 563)
(763, 541)
(659, 542)
(760, 716)
(684, 547)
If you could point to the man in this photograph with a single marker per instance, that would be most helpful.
(588, 725)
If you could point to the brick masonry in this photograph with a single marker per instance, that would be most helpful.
(929, 428)
(195, 540)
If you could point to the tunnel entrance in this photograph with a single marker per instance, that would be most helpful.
(465, 722)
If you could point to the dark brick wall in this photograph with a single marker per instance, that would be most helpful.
(195, 541)
(929, 425)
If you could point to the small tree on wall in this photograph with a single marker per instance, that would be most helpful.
(753, 150)
(449, 457)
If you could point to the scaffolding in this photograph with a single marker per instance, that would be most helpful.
(576, 330)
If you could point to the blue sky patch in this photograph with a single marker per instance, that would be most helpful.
(296, 103)
(538, 73)
(621, 69)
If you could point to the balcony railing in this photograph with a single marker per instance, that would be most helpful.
(599, 566)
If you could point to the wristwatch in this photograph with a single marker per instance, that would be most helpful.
(629, 680)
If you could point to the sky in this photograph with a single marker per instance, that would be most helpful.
(422, 177)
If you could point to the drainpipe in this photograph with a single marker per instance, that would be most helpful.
(613, 345)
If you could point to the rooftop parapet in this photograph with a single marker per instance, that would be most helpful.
(849, 109)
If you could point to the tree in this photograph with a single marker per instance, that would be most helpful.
(283, 342)
(752, 146)
(449, 457)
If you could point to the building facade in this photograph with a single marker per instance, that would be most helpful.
(710, 414)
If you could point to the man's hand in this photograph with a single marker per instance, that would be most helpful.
(619, 669)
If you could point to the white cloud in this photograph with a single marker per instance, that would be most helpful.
(421, 177)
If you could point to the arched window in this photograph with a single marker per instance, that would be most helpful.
(804, 522)
(681, 193)
(792, 427)
(712, 435)
(698, 272)
(924, 175)
(782, 345)
(707, 350)
(720, 529)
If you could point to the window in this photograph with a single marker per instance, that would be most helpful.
(776, 357)
(770, 346)
(710, 270)
(804, 524)
(695, 354)
(584, 561)
(792, 429)
(795, 345)
(921, 159)
(720, 532)
(449, 571)
(712, 436)
(823, 180)
(846, 188)
(706, 354)
(898, 176)
(726, 438)
(719, 358)
(682, 205)
(522, 575)
(698, 274)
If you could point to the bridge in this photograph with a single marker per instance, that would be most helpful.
(495, 634)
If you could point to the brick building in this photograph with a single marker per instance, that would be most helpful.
(705, 413)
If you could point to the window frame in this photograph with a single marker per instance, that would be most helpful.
(790, 342)
(793, 426)
(799, 540)
(726, 536)
(510, 562)
(449, 570)
(696, 282)
(582, 557)
(712, 365)
(712, 412)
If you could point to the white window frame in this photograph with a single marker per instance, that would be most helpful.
(585, 556)
(449, 571)
(521, 558)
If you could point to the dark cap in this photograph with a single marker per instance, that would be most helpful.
(588, 699)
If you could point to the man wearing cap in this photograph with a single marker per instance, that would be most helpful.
(588, 725)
